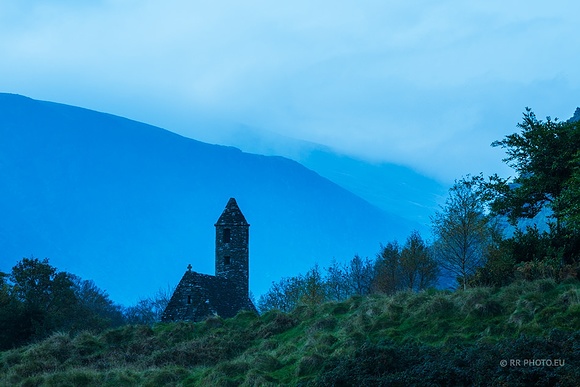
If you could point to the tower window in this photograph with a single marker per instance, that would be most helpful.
(227, 260)
(227, 235)
(189, 299)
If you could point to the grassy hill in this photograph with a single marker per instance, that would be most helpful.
(426, 338)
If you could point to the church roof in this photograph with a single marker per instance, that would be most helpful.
(232, 215)
(209, 294)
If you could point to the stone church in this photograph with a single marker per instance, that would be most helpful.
(197, 295)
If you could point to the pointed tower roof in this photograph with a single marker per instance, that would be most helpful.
(232, 215)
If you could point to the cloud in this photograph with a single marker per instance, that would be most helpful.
(416, 83)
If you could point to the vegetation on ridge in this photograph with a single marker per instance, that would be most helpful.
(432, 337)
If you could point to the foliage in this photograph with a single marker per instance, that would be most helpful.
(38, 300)
(545, 156)
(410, 267)
(387, 279)
(418, 269)
(315, 287)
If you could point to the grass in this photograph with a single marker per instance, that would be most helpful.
(365, 340)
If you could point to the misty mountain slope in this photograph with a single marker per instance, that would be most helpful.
(393, 188)
(130, 205)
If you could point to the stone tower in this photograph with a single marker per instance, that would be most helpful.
(231, 247)
(198, 295)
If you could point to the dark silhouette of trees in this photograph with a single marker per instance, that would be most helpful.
(409, 267)
(36, 300)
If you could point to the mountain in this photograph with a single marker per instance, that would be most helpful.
(394, 188)
(130, 205)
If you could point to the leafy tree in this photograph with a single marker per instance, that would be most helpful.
(36, 300)
(546, 158)
(11, 329)
(462, 230)
(498, 269)
(387, 270)
(417, 267)
(47, 296)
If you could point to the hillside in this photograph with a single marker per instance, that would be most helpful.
(130, 205)
(426, 338)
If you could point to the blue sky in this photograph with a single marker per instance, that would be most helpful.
(427, 84)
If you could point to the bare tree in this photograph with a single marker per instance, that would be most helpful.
(462, 231)
(148, 310)
(336, 282)
(360, 274)
(283, 295)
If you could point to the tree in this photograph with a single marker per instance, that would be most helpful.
(336, 282)
(38, 299)
(462, 230)
(148, 310)
(500, 260)
(96, 311)
(283, 295)
(314, 291)
(360, 274)
(11, 328)
(546, 158)
(417, 267)
(387, 271)
(47, 296)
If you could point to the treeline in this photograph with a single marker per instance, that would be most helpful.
(470, 243)
(411, 266)
(37, 300)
